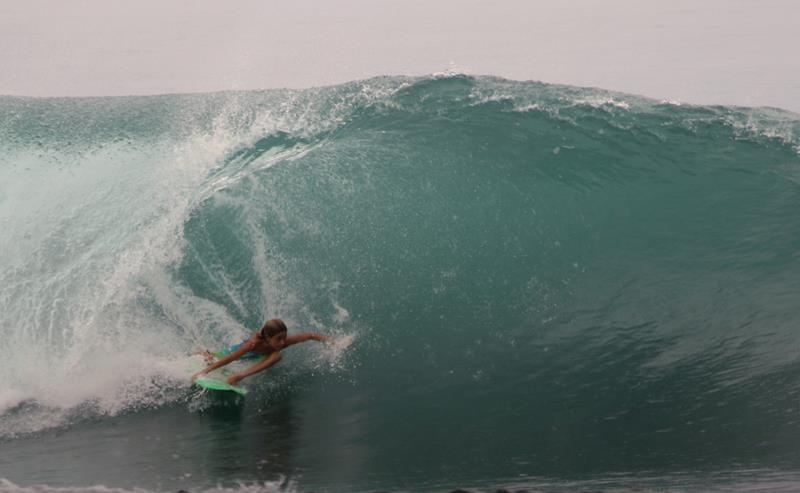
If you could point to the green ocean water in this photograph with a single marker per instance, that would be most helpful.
(531, 287)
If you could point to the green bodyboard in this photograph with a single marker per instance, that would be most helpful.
(211, 384)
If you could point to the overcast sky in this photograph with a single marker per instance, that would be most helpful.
(704, 51)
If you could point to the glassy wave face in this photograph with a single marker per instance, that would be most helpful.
(536, 279)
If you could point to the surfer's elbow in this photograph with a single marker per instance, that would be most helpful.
(275, 358)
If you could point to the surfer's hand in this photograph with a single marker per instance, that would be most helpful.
(233, 379)
(198, 375)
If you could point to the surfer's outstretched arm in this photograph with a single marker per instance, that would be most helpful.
(307, 336)
(244, 348)
(258, 367)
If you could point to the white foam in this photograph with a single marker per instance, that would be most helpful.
(599, 101)
(11, 398)
(281, 485)
(94, 317)
(89, 242)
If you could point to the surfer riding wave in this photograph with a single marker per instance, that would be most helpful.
(267, 344)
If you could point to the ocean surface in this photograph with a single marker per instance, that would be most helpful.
(529, 287)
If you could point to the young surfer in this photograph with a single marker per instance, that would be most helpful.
(267, 343)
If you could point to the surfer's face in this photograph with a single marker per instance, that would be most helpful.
(278, 341)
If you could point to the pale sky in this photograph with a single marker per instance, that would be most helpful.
(699, 51)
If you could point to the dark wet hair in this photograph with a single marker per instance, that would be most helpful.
(272, 327)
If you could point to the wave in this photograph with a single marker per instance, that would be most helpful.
(596, 261)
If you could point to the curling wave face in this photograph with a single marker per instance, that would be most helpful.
(585, 281)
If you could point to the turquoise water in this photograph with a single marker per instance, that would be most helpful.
(530, 287)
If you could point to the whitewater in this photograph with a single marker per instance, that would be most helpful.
(531, 286)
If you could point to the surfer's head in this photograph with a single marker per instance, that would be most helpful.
(274, 333)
